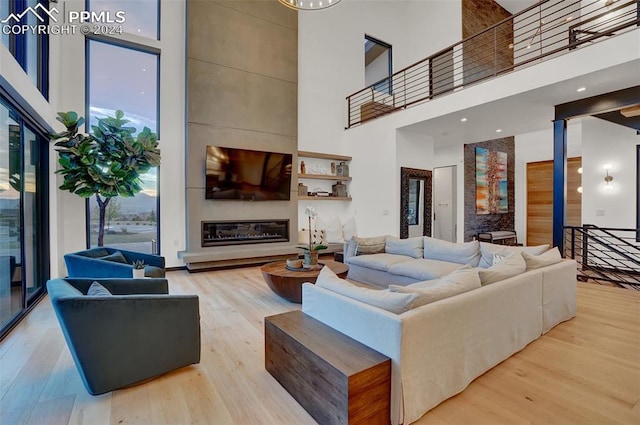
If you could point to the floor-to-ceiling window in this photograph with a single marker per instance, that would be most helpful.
(125, 76)
(28, 45)
(24, 263)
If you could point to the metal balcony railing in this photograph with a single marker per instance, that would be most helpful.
(605, 255)
(544, 30)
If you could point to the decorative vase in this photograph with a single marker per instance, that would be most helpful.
(138, 273)
(311, 258)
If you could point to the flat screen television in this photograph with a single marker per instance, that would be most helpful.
(247, 174)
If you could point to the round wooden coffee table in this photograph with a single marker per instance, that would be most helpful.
(288, 283)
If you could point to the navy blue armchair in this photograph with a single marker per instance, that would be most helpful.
(138, 332)
(111, 262)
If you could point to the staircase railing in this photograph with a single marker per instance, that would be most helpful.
(546, 29)
(605, 255)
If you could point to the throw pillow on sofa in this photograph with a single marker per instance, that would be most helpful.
(393, 302)
(512, 265)
(374, 245)
(488, 250)
(461, 253)
(318, 237)
(462, 280)
(411, 247)
(349, 229)
(116, 257)
(545, 259)
(97, 290)
(332, 228)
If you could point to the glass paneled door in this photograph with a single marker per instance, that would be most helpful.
(11, 294)
(23, 228)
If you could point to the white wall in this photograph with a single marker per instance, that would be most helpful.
(602, 143)
(533, 147)
(331, 66)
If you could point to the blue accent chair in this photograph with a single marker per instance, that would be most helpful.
(111, 262)
(136, 333)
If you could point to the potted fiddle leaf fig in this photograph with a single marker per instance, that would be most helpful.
(106, 163)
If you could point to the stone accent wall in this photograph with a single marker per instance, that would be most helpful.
(479, 58)
(474, 223)
(242, 90)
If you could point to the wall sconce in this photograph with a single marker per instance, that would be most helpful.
(608, 179)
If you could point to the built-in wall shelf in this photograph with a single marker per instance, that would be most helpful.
(326, 198)
(324, 177)
(319, 155)
(324, 167)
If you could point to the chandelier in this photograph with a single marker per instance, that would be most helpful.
(309, 4)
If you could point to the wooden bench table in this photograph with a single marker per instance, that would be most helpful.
(335, 378)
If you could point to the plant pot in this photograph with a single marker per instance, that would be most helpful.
(138, 273)
(311, 258)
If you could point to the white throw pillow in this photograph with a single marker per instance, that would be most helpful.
(317, 237)
(333, 229)
(488, 250)
(512, 265)
(411, 247)
(462, 280)
(349, 229)
(393, 302)
(372, 245)
(461, 253)
(545, 259)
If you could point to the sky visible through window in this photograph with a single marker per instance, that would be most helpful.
(141, 16)
(126, 79)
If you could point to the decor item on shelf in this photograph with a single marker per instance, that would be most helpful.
(309, 4)
(311, 250)
(333, 168)
(342, 170)
(302, 189)
(106, 163)
(339, 190)
(303, 168)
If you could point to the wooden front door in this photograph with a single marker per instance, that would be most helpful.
(540, 199)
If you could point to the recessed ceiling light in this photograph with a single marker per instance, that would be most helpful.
(581, 89)
(499, 130)
(463, 119)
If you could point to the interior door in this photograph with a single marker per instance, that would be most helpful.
(540, 199)
(444, 203)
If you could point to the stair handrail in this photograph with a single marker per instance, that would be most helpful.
(607, 244)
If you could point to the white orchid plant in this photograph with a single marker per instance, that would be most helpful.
(311, 213)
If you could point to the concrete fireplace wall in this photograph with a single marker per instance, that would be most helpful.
(242, 71)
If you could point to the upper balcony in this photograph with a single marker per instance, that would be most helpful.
(543, 31)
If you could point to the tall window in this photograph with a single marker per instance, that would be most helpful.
(377, 64)
(24, 233)
(125, 78)
(142, 17)
(25, 43)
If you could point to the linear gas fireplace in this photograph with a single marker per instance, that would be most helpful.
(216, 233)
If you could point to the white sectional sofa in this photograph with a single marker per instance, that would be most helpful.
(437, 349)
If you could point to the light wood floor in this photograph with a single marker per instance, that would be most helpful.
(585, 371)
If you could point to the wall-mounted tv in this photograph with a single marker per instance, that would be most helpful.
(247, 174)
